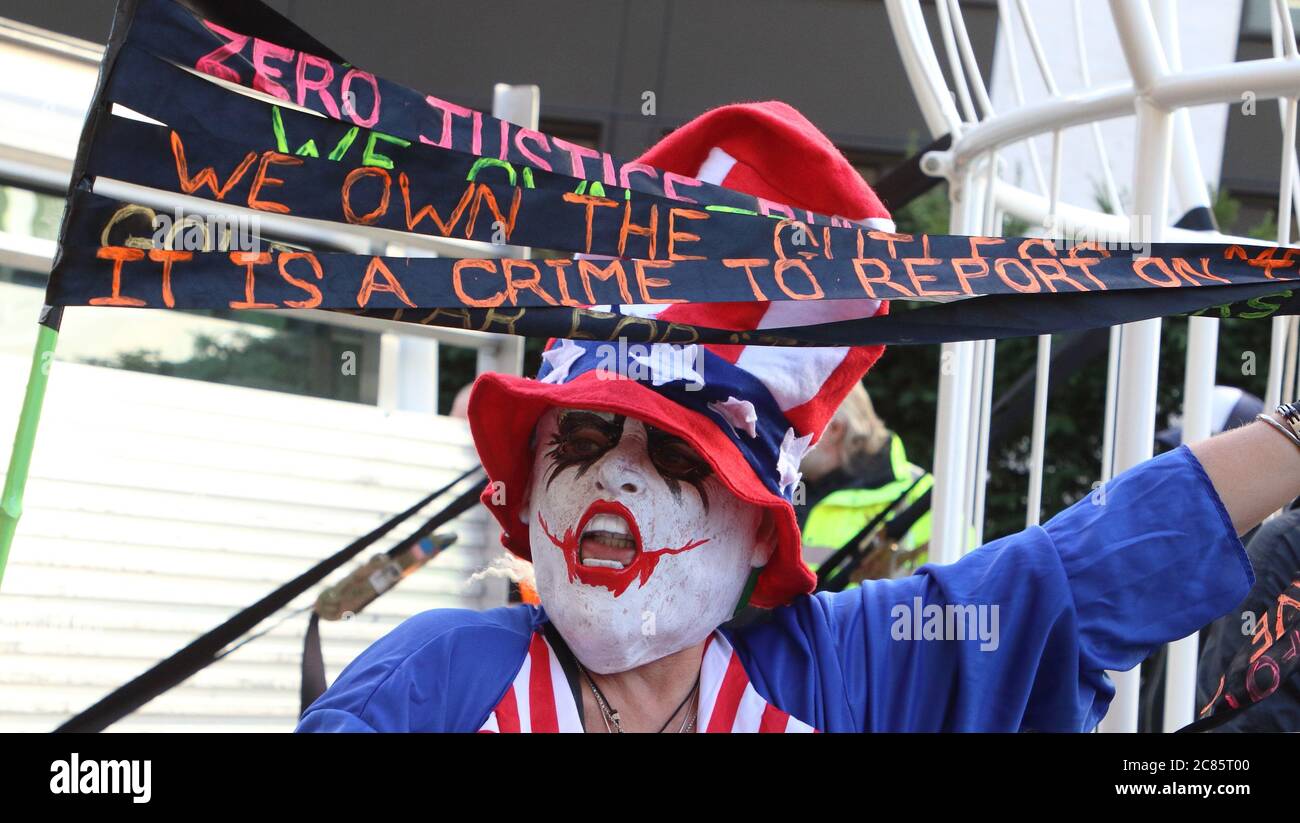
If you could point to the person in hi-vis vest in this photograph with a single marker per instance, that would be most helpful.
(860, 468)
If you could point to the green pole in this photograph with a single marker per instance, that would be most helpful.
(20, 461)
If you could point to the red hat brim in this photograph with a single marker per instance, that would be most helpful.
(503, 414)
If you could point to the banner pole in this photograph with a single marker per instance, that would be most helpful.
(20, 460)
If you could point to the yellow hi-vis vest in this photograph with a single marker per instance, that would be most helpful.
(839, 516)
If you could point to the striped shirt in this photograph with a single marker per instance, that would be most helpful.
(539, 698)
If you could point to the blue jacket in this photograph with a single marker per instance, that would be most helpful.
(1098, 587)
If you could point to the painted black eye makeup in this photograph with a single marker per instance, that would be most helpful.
(581, 438)
(677, 462)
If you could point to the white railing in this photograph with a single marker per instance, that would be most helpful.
(1164, 158)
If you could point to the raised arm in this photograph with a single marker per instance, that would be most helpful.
(1151, 557)
(1254, 468)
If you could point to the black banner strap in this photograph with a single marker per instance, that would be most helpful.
(360, 176)
(445, 194)
(367, 182)
(96, 113)
(257, 59)
(226, 147)
(428, 190)
(313, 682)
(363, 177)
(123, 256)
(985, 318)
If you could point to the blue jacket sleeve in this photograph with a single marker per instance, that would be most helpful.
(440, 671)
(1018, 634)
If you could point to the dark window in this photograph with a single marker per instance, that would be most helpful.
(577, 132)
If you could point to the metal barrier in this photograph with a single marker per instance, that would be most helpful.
(1158, 96)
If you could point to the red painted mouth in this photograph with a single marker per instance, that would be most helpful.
(605, 548)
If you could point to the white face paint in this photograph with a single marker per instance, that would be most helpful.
(639, 550)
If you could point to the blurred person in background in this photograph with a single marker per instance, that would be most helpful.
(1229, 408)
(857, 470)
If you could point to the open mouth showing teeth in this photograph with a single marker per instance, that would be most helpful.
(607, 542)
(605, 548)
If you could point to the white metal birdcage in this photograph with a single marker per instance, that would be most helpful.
(1156, 97)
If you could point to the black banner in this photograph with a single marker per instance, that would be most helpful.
(260, 61)
(551, 298)
(433, 171)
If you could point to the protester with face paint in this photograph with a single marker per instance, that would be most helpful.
(651, 487)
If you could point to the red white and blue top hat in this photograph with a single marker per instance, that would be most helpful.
(750, 411)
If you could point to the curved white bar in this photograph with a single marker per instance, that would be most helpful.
(1270, 78)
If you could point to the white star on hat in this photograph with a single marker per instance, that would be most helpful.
(738, 414)
(787, 461)
(668, 362)
(561, 357)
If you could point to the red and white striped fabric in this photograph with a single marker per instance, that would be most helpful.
(728, 700)
(773, 152)
(540, 700)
